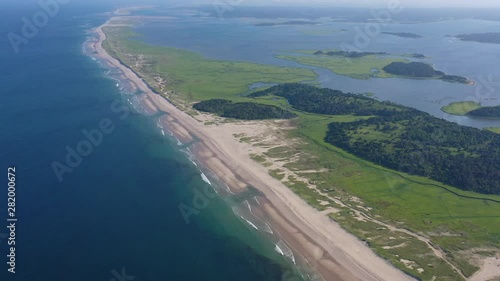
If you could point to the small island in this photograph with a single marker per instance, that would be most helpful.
(404, 34)
(286, 23)
(473, 109)
(422, 70)
(491, 37)
(417, 56)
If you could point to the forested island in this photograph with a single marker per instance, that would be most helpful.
(473, 109)
(486, 112)
(404, 34)
(490, 37)
(403, 138)
(286, 23)
(417, 56)
(243, 110)
(422, 70)
(348, 54)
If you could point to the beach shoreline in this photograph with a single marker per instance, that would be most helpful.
(326, 246)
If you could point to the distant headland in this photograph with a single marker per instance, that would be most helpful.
(491, 37)
(403, 34)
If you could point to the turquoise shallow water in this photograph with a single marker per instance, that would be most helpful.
(117, 211)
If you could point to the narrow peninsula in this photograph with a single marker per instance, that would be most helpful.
(491, 37)
(403, 34)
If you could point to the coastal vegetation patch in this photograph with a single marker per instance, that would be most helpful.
(494, 130)
(358, 66)
(243, 110)
(403, 138)
(364, 65)
(348, 54)
(472, 108)
(190, 76)
(461, 108)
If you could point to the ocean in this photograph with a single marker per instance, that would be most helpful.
(101, 190)
(98, 186)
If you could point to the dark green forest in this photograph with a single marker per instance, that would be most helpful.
(403, 138)
(487, 111)
(243, 110)
(421, 70)
(412, 69)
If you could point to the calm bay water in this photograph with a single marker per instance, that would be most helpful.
(117, 212)
(238, 39)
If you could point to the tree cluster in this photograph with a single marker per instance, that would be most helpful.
(487, 111)
(403, 138)
(243, 110)
(412, 69)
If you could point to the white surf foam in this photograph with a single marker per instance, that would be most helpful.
(205, 179)
(267, 228)
(285, 251)
(250, 223)
(248, 205)
(278, 249)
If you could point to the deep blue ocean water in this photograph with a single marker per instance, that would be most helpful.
(115, 215)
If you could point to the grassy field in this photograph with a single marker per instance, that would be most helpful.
(494, 130)
(462, 227)
(456, 224)
(359, 68)
(199, 78)
(422, 204)
(461, 108)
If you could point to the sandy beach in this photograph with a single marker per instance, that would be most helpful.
(330, 250)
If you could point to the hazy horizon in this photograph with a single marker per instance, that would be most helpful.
(382, 3)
